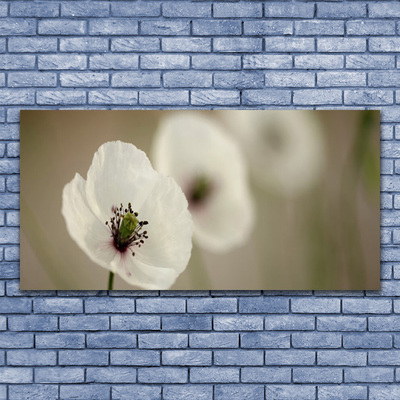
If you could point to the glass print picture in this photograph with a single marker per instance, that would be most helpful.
(200, 200)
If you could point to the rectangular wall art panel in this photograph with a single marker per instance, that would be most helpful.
(200, 200)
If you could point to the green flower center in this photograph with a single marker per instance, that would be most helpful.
(126, 229)
(200, 190)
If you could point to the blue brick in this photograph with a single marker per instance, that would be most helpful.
(83, 79)
(317, 375)
(369, 61)
(113, 27)
(237, 45)
(367, 341)
(136, 79)
(290, 392)
(9, 270)
(319, 61)
(83, 357)
(185, 79)
(386, 323)
(235, 392)
(32, 45)
(34, 9)
(240, 323)
(194, 45)
(97, 392)
(138, 9)
(325, 306)
(9, 132)
(164, 61)
(109, 305)
(268, 27)
(260, 340)
(114, 61)
(62, 61)
(135, 357)
(290, 357)
(109, 96)
(367, 306)
(341, 323)
(15, 306)
(384, 78)
(135, 44)
(342, 358)
(384, 10)
(61, 27)
(238, 357)
(316, 97)
(2, 84)
(384, 357)
(16, 375)
(17, 61)
(387, 44)
(266, 375)
(186, 323)
(135, 322)
(289, 79)
(342, 78)
(346, 10)
(163, 340)
(288, 10)
(214, 375)
(369, 375)
(19, 26)
(16, 340)
(180, 9)
(317, 27)
(316, 340)
(3, 9)
(111, 375)
(162, 375)
(88, 45)
(156, 98)
(179, 392)
(214, 97)
(32, 322)
(237, 10)
(136, 392)
(59, 375)
(37, 392)
(212, 305)
(57, 306)
(289, 323)
(217, 27)
(365, 27)
(214, 340)
(274, 96)
(368, 97)
(111, 340)
(186, 357)
(165, 27)
(64, 97)
(31, 357)
(215, 62)
(34, 79)
(264, 305)
(288, 44)
(84, 9)
(84, 323)
(341, 45)
(335, 392)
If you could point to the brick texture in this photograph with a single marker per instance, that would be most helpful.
(199, 54)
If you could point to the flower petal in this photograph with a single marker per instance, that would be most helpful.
(170, 227)
(120, 173)
(140, 274)
(90, 234)
(188, 146)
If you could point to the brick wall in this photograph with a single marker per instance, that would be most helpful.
(199, 345)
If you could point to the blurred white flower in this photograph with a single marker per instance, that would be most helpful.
(211, 171)
(285, 148)
(128, 218)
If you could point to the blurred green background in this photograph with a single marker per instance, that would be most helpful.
(325, 238)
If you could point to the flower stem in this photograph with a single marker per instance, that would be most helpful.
(110, 280)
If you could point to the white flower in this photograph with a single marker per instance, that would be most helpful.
(285, 148)
(210, 169)
(128, 218)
